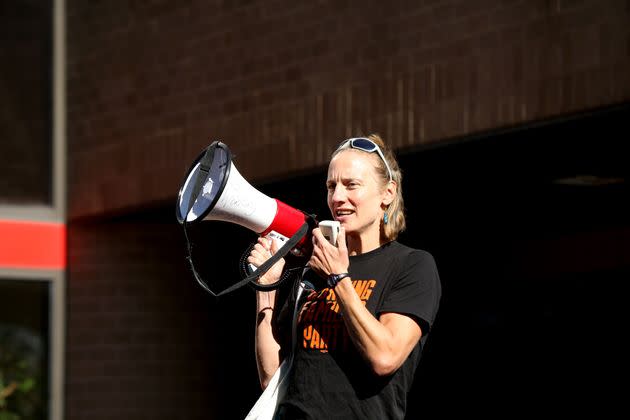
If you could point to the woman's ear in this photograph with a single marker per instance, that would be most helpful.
(390, 193)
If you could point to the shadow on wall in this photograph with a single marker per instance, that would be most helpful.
(532, 270)
(530, 230)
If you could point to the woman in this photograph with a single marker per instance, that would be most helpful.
(361, 331)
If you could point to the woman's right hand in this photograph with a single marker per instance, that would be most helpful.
(267, 346)
(262, 251)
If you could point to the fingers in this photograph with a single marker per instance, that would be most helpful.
(261, 252)
(266, 243)
(274, 246)
(327, 258)
(319, 260)
(341, 238)
(318, 236)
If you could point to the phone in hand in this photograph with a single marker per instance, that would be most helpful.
(330, 230)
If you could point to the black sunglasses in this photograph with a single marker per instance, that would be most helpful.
(367, 145)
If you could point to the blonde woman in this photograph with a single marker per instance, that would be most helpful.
(361, 331)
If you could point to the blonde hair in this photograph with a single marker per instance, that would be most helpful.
(396, 210)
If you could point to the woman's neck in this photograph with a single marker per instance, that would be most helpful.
(358, 245)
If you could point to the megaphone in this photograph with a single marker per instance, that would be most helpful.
(214, 190)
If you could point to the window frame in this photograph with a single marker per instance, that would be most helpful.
(55, 213)
(56, 330)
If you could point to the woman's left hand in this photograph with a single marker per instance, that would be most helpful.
(328, 259)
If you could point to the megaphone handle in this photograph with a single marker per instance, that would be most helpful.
(252, 278)
(284, 250)
(272, 236)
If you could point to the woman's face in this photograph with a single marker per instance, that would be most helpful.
(355, 194)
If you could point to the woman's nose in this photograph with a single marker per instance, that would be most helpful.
(339, 194)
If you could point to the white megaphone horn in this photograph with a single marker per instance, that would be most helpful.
(215, 190)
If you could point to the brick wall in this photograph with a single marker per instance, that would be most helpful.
(526, 254)
(150, 84)
(144, 341)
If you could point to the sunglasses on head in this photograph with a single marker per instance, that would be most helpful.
(367, 145)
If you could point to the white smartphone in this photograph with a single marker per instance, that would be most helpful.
(330, 230)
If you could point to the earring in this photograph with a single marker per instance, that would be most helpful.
(385, 218)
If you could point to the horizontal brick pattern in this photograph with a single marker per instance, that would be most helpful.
(150, 84)
(144, 341)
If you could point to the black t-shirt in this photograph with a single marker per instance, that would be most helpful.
(329, 378)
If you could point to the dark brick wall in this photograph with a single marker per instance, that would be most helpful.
(152, 83)
(144, 341)
(523, 261)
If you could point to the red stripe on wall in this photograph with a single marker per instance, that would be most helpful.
(32, 245)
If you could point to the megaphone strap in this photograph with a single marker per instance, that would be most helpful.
(252, 278)
(282, 252)
(245, 268)
(202, 175)
(205, 165)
